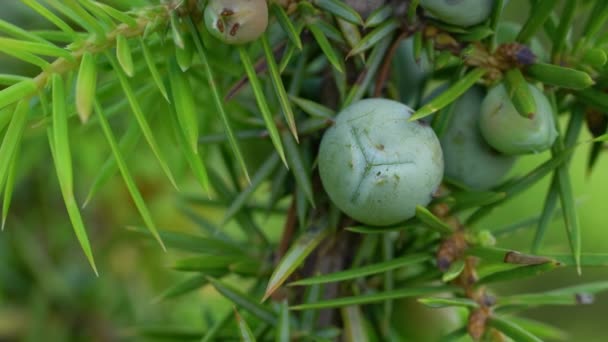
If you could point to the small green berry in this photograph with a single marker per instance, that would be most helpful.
(469, 160)
(376, 166)
(459, 12)
(236, 21)
(509, 132)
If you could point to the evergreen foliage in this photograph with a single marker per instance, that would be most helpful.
(247, 121)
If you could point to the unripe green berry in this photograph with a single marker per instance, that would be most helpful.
(509, 132)
(376, 166)
(469, 160)
(459, 12)
(236, 21)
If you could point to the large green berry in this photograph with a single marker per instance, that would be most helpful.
(376, 166)
(509, 132)
(236, 21)
(469, 160)
(459, 12)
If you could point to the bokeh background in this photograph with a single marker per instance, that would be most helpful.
(49, 293)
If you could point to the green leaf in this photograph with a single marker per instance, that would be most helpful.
(540, 329)
(518, 273)
(596, 20)
(194, 159)
(363, 271)
(590, 96)
(212, 334)
(116, 14)
(185, 107)
(244, 218)
(127, 145)
(86, 86)
(326, 47)
(354, 324)
(340, 9)
(560, 39)
(547, 214)
(176, 34)
(9, 80)
(283, 330)
(256, 86)
(153, 69)
(570, 215)
(378, 16)
(286, 25)
(61, 142)
(313, 108)
(471, 199)
(375, 230)
(36, 48)
(295, 257)
(123, 53)
(587, 259)
(373, 297)
(141, 119)
(18, 32)
(372, 38)
(450, 95)
(368, 73)
(539, 13)
(432, 221)
(438, 302)
(573, 295)
(454, 271)
(47, 14)
(519, 93)
(501, 255)
(9, 186)
(511, 329)
(184, 56)
(72, 209)
(26, 57)
(244, 330)
(245, 301)
(17, 92)
(269, 165)
(351, 34)
(476, 34)
(300, 167)
(168, 333)
(456, 336)
(12, 139)
(522, 184)
(278, 86)
(99, 14)
(560, 76)
(217, 98)
(81, 16)
(204, 263)
(192, 243)
(126, 175)
(183, 287)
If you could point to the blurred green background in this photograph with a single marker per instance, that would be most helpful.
(48, 291)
